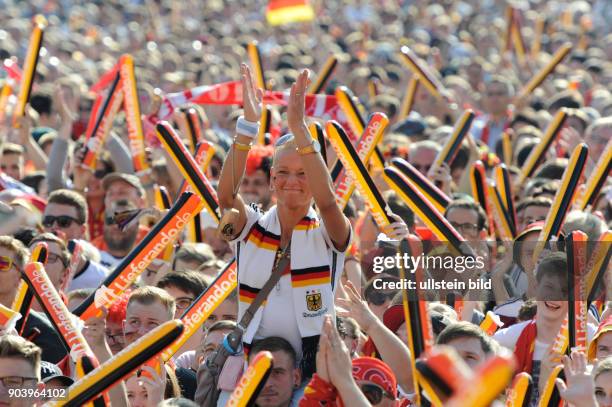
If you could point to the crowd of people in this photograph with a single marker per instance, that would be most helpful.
(327, 309)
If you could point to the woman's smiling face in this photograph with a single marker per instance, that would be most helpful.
(289, 179)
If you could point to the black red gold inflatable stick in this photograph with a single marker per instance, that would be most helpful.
(203, 306)
(366, 146)
(597, 178)
(252, 381)
(537, 80)
(425, 186)
(132, 113)
(29, 69)
(150, 247)
(354, 118)
(409, 98)
(519, 392)
(537, 154)
(433, 219)
(323, 75)
(103, 122)
(121, 365)
(316, 131)
(550, 397)
(503, 183)
(576, 249)
(480, 192)
(597, 266)
(453, 143)
(189, 168)
(357, 171)
(564, 197)
(420, 332)
(426, 77)
(256, 64)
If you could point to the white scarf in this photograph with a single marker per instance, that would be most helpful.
(313, 271)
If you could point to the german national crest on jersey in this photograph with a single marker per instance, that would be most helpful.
(314, 302)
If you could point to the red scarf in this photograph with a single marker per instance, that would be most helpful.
(525, 346)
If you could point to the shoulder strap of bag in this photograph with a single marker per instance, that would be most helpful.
(277, 270)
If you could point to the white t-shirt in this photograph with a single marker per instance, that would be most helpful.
(108, 260)
(91, 277)
(279, 316)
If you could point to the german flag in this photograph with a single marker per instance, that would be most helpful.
(281, 12)
(310, 276)
(307, 223)
(247, 294)
(263, 239)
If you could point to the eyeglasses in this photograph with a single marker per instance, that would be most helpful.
(63, 221)
(14, 382)
(373, 392)
(380, 297)
(115, 338)
(183, 303)
(466, 227)
(54, 258)
(99, 174)
(5, 263)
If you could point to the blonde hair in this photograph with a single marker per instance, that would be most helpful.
(147, 295)
(289, 144)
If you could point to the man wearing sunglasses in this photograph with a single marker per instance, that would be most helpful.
(422, 155)
(20, 362)
(66, 215)
(116, 243)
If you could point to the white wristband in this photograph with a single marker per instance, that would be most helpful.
(247, 128)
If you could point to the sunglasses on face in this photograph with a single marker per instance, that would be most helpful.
(63, 221)
(373, 392)
(5, 263)
(99, 174)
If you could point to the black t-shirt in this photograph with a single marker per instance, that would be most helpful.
(39, 330)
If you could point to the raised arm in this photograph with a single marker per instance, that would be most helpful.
(317, 174)
(235, 163)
